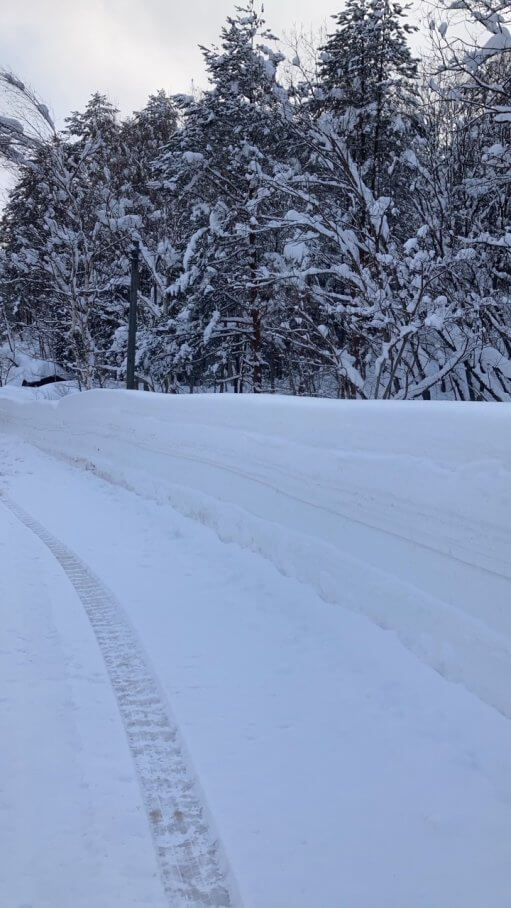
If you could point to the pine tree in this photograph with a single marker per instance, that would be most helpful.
(367, 79)
(214, 167)
(144, 137)
(333, 241)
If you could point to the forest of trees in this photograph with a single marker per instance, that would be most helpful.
(336, 223)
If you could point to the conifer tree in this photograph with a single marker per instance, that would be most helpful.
(367, 79)
(214, 168)
(343, 239)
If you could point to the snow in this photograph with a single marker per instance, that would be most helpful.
(193, 157)
(435, 320)
(322, 589)
(63, 763)
(503, 115)
(21, 365)
(12, 80)
(296, 251)
(11, 124)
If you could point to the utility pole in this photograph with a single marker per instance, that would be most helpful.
(131, 383)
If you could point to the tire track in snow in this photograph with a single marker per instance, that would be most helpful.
(187, 849)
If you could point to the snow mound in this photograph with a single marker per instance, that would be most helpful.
(396, 510)
(21, 369)
(21, 366)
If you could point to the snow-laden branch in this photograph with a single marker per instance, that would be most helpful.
(25, 121)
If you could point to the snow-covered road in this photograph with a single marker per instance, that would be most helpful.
(337, 761)
(185, 845)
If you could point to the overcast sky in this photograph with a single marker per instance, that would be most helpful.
(126, 48)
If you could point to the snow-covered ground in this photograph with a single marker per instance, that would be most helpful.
(23, 365)
(322, 591)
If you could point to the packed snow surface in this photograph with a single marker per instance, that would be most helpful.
(323, 591)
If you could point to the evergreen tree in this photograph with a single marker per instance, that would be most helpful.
(332, 241)
(367, 79)
(144, 137)
(214, 166)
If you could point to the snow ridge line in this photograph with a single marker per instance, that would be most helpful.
(188, 852)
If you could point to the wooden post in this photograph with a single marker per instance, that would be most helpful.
(131, 383)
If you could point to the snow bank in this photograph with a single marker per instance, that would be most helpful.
(24, 366)
(400, 511)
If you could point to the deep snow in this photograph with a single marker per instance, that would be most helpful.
(340, 762)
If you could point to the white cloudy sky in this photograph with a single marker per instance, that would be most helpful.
(126, 48)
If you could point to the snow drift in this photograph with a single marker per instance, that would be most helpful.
(400, 511)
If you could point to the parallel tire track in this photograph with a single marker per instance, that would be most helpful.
(187, 850)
